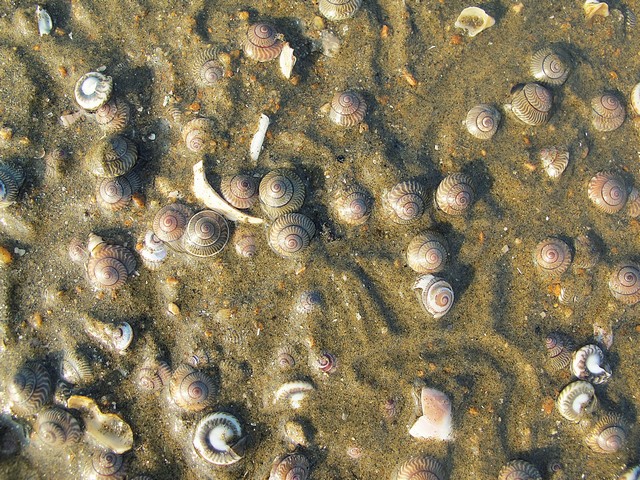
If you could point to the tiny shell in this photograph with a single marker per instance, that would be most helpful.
(427, 253)
(338, 9)
(482, 121)
(30, 388)
(154, 375)
(436, 419)
(552, 257)
(75, 368)
(218, 439)
(116, 337)
(262, 43)
(474, 20)
(576, 400)
(246, 245)
(405, 202)
(153, 251)
(308, 301)
(608, 435)
(191, 389)
(287, 60)
(197, 134)
(588, 363)
(326, 362)
(110, 266)
(624, 283)
(519, 470)
(347, 108)
(594, 8)
(290, 234)
(554, 161)
(559, 350)
(290, 466)
(608, 192)
(105, 465)
(293, 392)
(45, 24)
(11, 180)
(607, 112)
(93, 90)
(57, 428)
(455, 194)
(532, 103)
(550, 66)
(434, 294)
(419, 467)
(206, 235)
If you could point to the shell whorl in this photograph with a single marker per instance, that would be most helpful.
(170, 222)
(420, 467)
(519, 470)
(532, 103)
(552, 257)
(559, 350)
(290, 234)
(608, 435)
(93, 90)
(262, 42)
(455, 194)
(207, 233)
(576, 400)
(113, 156)
(105, 465)
(208, 70)
(427, 253)
(347, 108)
(57, 427)
(110, 266)
(550, 66)
(30, 388)
(290, 466)
(482, 121)
(554, 161)
(197, 134)
(239, 190)
(336, 10)
(624, 283)
(352, 205)
(115, 193)
(608, 191)
(588, 363)
(281, 191)
(406, 202)
(154, 375)
(434, 294)
(75, 368)
(113, 116)
(11, 179)
(607, 112)
(218, 439)
(191, 389)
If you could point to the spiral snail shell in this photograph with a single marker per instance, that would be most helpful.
(206, 235)
(550, 66)
(588, 363)
(115, 193)
(113, 156)
(336, 10)
(30, 388)
(208, 70)
(197, 133)
(218, 439)
(624, 283)
(113, 116)
(308, 301)
(11, 180)
(78, 253)
(434, 294)
(552, 257)
(240, 190)
(93, 90)
(347, 108)
(290, 466)
(290, 234)
(191, 389)
(262, 42)
(325, 362)
(152, 250)
(633, 203)
(532, 103)
(559, 350)
(110, 266)
(587, 253)
(455, 194)
(352, 205)
(114, 336)
(427, 253)
(554, 161)
(608, 192)
(419, 467)
(75, 368)
(57, 427)
(607, 112)
(576, 400)
(519, 470)
(246, 245)
(153, 375)
(482, 121)
(105, 465)
(405, 201)
(170, 222)
(608, 435)
(281, 191)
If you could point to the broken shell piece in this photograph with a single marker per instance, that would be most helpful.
(45, 24)
(258, 138)
(107, 429)
(435, 421)
(474, 20)
(287, 60)
(593, 8)
(293, 392)
(116, 337)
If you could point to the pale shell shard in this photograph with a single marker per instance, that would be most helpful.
(293, 392)
(419, 468)
(258, 138)
(519, 470)
(608, 435)
(290, 466)
(588, 363)
(635, 98)
(57, 427)
(576, 400)
(93, 90)
(45, 24)
(554, 161)
(336, 10)
(218, 439)
(593, 8)
(434, 294)
(474, 20)
(436, 420)
(287, 60)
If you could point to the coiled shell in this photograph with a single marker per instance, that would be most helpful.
(336, 10)
(262, 42)
(326, 362)
(587, 253)
(218, 439)
(290, 234)
(153, 375)
(624, 283)
(347, 108)
(285, 359)
(207, 68)
(93, 90)
(113, 116)
(519, 470)
(434, 294)
(57, 427)
(576, 400)
(115, 193)
(607, 112)
(30, 388)
(197, 133)
(246, 246)
(482, 121)
(170, 223)
(113, 156)
(114, 336)
(75, 368)
(455, 194)
(281, 191)
(608, 192)
(152, 250)
(240, 190)
(352, 205)
(308, 301)
(206, 235)
(290, 466)
(419, 468)
(532, 103)
(191, 389)
(635, 98)
(11, 180)
(77, 251)
(105, 465)
(588, 363)
(406, 202)
(633, 203)
(608, 435)
(554, 161)
(427, 253)
(110, 266)
(550, 66)
(552, 257)
(559, 349)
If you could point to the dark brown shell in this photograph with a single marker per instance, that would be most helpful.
(347, 108)
(624, 283)
(30, 388)
(455, 194)
(206, 235)
(239, 190)
(607, 112)
(262, 42)
(552, 257)
(608, 192)
(191, 389)
(532, 103)
(406, 202)
(336, 10)
(290, 234)
(11, 179)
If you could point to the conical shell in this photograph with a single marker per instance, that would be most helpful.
(239, 190)
(75, 368)
(352, 205)
(608, 191)
(113, 156)
(93, 90)
(208, 70)
(482, 121)
(550, 66)
(588, 363)
(262, 42)
(434, 294)
(115, 193)
(105, 465)
(197, 134)
(559, 350)
(607, 112)
(347, 109)
(113, 116)
(552, 257)
(554, 161)
(624, 283)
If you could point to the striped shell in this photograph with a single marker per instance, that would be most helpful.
(587, 253)
(608, 192)
(624, 283)
(326, 362)
(633, 203)
(308, 301)
(608, 435)
(339, 9)
(153, 251)
(559, 349)
(11, 179)
(153, 376)
(554, 161)
(218, 439)
(519, 470)
(262, 42)
(482, 121)
(170, 222)
(281, 191)
(290, 234)
(93, 90)
(552, 257)
(607, 112)
(434, 294)
(352, 205)
(113, 116)
(588, 363)
(455, 194)
(57, 427)
(347, 108)
(285, 359)
(406, 202)
(207, 68)
(115, 193)
(550, 66)
(105, 465)
(576, 400)
(75, 368)
(240, 190)
(206, 235)
(419, 468)
(246, 245)
(427, 253)
(532, 103)
(30, 388)
(197, 133)
(290, 466)
(113, 156)
(110, 266)
(191, 389)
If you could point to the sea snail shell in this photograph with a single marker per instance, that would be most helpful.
(352, 205)
(608, 435)
(281, 191)
(57, 427)
(552, 257)
(559, 351)
(218, 439)
(532, 103)
(554, 161)
(550, 66)
(262, 42)
(427, 253)
(434, 294)
(170, 222)
(608, 192)
(197, 133)
(75, 368)
(113, 156)
(207, 68)
(339, 9)
(519, 470)
(419, 467)
(93, 90)
(588, 363)
(30, 388)
(11, 179)
(110, 266)
(624, 283)
(105, 465)
(290, 234)
(153, 375)
(607, 112)
(405, 201)
(576, 400)
(482, 121)
(152, 250)
(290, 466)
(191, 389)
(113, 116)
(240, 190)
(455, 194)
(206, 235)
(115, 193)
(347, 108)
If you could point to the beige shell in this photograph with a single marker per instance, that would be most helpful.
(93, 90)
(198, 134)
(482, 121)
(554, 160)
(105, 465)
(608, 435)
(474, 20)
(113, 156)
(113, 116)
(455, 194)
(110, 266)
(75, 368)
(339, 9)
(191, 389)
(434, 294)
(633, 203)
(154, 375)
(352, 205)
(427, 253)
(550, 66)
(635, 98)
(405, 202)
(559, 350)
(30, 388)
(262, 42)
(207, 68)
(624, 283)
(577, 400)
(206, 235)
(532, 103)
(281, 191)
(588, 363)
(419, 467)
(347, 108)
(593, 8)
(290, 466)
(607, 112)
(57, 427)
(519, 470)
(552, 257)
(290, 234)
(608, 191)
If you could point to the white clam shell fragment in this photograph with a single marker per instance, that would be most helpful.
(293, 392)
(436, 419)
(287, 60)
(258, 139)
(45, 24)
(635, 98)
(474, 20)
(588, 363)
(576, 400)
(434, 294)
(218, 439)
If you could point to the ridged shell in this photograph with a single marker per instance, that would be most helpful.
(554, 161)
(406, 202)
(559, 350)
(152, 250)
(218, 439)
(240, 190)
(105, 465)
(290, 234)
(154, 375)
(113, 116)
(115, 193)
(11, 180)
(347, 108)
(93, 90)
(519, 470)
(588, 363)
(191, 389)
(576, 400)
(532, 103)
(207, 68)
(170, 222)
(352, 205)
(57, 427)
(75, 368)
(635, 98)
(308, 301)
(608, 435)
(434, 294)
(290, 466)
(624, 283)
(608, 192)
(633, 203)
(30, 389)
(77, 251)
(339, 9)
(262, 42)
(110, 266)
(482, 121)
(206, 235)
(550, 66)
(326, 362)
(285, 359)
(427, 253)
(197, 133)
(114, 336)
(246, 245)
(552, 257)
(455, 194)
(113, 156)
(281, 191)
(587, 254)
(419, 468)
(607, 112)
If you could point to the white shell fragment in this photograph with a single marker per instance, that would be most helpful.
(116, 337)
(635, 98)
(593, 8)
(293, 392)
(287, 60)
(45, 24)
(258, 138)
(474, 20)
(435, 421)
